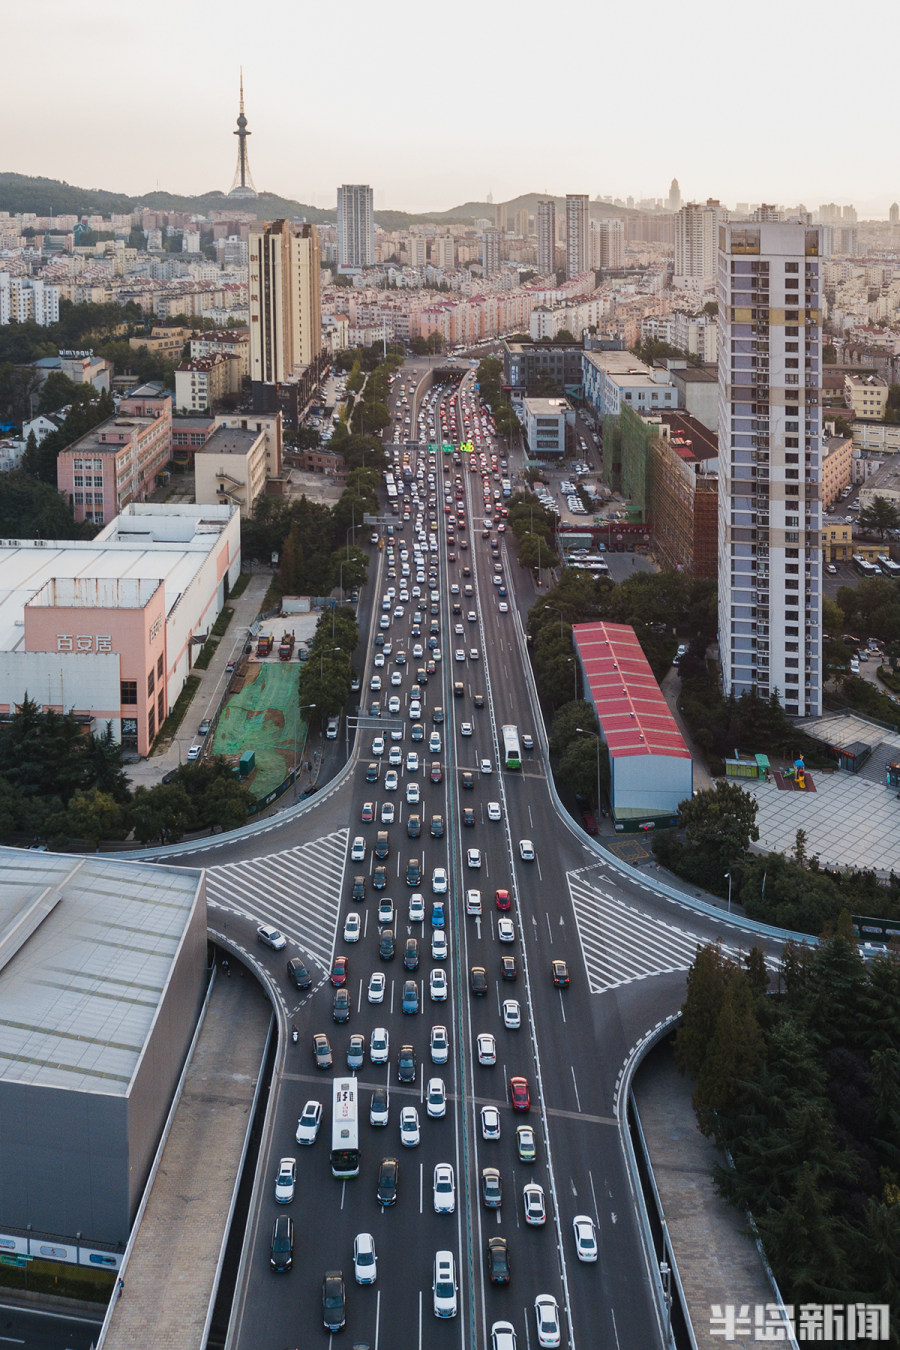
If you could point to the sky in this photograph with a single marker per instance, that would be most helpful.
(435, 107)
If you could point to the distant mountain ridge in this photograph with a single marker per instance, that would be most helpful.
(50, 196)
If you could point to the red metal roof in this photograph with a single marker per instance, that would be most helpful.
(631, 709)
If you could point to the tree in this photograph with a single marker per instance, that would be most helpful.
(92, 816)
(58, 391)
(880, 516)
(160, 814)
(719, 823)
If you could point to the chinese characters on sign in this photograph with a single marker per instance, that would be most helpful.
(83, 642)
(861, 1322)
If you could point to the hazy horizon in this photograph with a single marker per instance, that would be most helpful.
(433, 118)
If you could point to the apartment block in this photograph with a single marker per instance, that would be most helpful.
(546, 237)
(230, 469)
(28, 300)
(837, 467)
(683, 502)
(355, 226)
(879, 437)
(770, 461)
(230, 342)
(285, 300)
(607, 244)
(695, 244)
(578, 234)
(867, 395)
(546, 420)
(204, 381)
(615, 379)
(119, 461)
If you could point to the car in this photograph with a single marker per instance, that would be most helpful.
(437, 772)
(512, 1014)
(375, 683)
(415, 710)
(271, 937)
(527, 741)
(440, 1045)
(352, 927)
(203, 729)
(439, 881)
(436, 1098)
(322, 1051)
(560, 972)
(406, 1064)
(410, 1136)
(367, 814)
(437, 914)
(502, 899)
(379, 1107)
(386, 912)
(473, 902)
(356, 1052)
(417, 732)
(503, 607)
(487, 1049)
(393, 709)
(546, 1314)
(491, 1188)
(365, 1262)
(285, 1181)
(506, 931)
(358, 849)
(493, 811)
(459, 654)
(434, 743)
(437, 826)
(526, 1145)
(465, 728)
(193, 753)
(298, 974)
(334, 1303)
(444, 1189)
(478, 700)
(281, 1250)
(379, 877)
(831, 569)
(498, 1260)
(411, 954)
(473, 857)
(388, 813)
(340, 970)
(473, 653)
(478, 981)
(508, 970)
(438, 945)
(490, 1122)
(410, 1000)
(413, 794)
(416, 908)
(526, 850)
(379, 1045)
(386, 944)
(519, 1095)
(412, 761)
(375, 991)
(467, 780)
(444, 1285)
(854, 665)
(340, 1007)
(585, 1238)
(535, 1209)
(391, 780)
(437, 986)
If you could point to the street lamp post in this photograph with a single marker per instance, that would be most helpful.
(728, 875)
(322, 660)
(554, 610)
(304, 707)
(597, 739)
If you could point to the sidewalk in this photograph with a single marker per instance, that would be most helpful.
(671, 688)
(211, 691)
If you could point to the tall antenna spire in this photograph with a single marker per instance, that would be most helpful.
(242, 184)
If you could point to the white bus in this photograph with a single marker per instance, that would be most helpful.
(345, 1128)
(512, 754)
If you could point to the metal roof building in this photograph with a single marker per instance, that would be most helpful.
(651, 767)
(102, 976)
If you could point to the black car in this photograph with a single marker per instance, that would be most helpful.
(298, 974)
(386, 944)
(359, 888)
(413, 872)
(498, 1260)
(508, 968)
(468, 815)
(388, 1176)
(281, 1255)
(468, 779)
(340, 1008)
(334, 1302)
(406, 1064)
(478, 981)
(411, 954)
(379, 877)
(478, 700)
(437, 826)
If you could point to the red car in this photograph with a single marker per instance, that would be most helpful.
(340, 970)
(502, 899)
(590, 823)
(368, 811)
(519, 1096)
(437, 772)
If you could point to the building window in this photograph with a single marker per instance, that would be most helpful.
(151, 685)
(151, 723)
(128, 691)
(161, 706)
(159, 668)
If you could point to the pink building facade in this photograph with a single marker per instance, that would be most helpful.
(117, 462)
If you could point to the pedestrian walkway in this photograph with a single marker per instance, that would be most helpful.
(170, 1278)
(671, 690)
(717, 1259)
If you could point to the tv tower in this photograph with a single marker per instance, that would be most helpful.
(242, 184)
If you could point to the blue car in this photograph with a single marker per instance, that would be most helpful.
(437, 914)
(410, 997)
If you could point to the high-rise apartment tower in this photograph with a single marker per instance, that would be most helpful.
(770, 429)
(490, 252)
(355, 226)
(546, 237)
(696, 241)
(285, 300)
(578, 233)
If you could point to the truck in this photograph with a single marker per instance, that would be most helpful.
(286, 646)
(264, 644)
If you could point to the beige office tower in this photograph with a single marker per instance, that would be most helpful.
(285, 299)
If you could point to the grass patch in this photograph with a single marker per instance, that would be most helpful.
(889, 678)
(240, 585)
(220, 627)
(207, 652)
(176, 715)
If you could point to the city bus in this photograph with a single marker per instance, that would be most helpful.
(345, 1129)
(512, 754)
(864, 567)
(888, 566)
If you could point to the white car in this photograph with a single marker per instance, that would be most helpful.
(512, 1014)
(309, 1122)
(438, 945)
(395, 758)
(375, 992)
(465, 728)
(444, 1285)
(487, 1049)
(391, 780)
(417, 908)
(285, 1181)
(473, 653)
(434, 743)
(379, 659)
(413, 794)
(387, 813)
(365, 1262)
(439, 881)
(473, 902)
(444, 1189)
(415, 710)
(493, 811)
(412, 761)
(505, 930)
(375, 684)
(459, 654)
(409, 1127)
(351, 927)
(473, 857)
(436, 1098)
(504, 609)
(437, 986)
(380, 1046)
(585, 1238)
(440, 1045)
(546, 1313)
(393, 708)
(358, 849)
(486, 766)
(271, 937)
(386, 913)
(471, 616)
(535, 1210)
(396, 681)
(526, 850)
(378, 745)
(490, 1122)
(194, 753)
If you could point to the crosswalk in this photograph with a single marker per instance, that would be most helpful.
(621, 943)
(299, 890)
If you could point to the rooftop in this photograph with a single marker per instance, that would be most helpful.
(632, 712)
(230, 441)
(547, 407)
